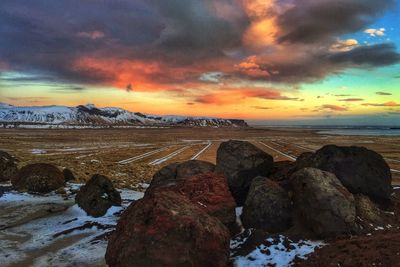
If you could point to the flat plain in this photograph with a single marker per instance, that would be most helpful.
(131, 156)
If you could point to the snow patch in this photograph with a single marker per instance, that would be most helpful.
(81, 234)
(37, 151)
(278, 251)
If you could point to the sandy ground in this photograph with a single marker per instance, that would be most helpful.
(131, 156)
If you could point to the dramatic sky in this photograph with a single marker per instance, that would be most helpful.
(252, 59)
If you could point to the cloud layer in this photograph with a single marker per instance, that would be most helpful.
(172, 45)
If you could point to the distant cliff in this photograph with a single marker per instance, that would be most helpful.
(90, 115)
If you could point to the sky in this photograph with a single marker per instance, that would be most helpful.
(260, 60)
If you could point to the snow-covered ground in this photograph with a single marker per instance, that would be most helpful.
(278, 251)
(66, 238)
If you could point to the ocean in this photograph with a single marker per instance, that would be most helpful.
(371, 131)
(347, 130)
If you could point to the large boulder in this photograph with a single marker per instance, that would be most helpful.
(210, 193)
(68, 175)
(282, 170)
(241, 162)
(8, 167)
(321, 203)
(38, 178)
(361, 171)
(97, 196)
(173, 173)
(165, 229)
(267, 207)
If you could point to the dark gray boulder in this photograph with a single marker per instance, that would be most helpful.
(322, 204)
(8, 167)
(361, 171)
(68, 175)
(267, 207)
(97, 196)
(241, 162)
(38, 178)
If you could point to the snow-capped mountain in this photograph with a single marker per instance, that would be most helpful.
(91, 115)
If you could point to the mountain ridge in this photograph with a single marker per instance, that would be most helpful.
(89, 114)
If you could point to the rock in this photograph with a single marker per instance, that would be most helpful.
(210, 193)
(361, 171)
(282, 170)
(322, 203)
(267, 207)
(38, 178)
(367, 212)
(172, 173)
(241, 162)
(97, 196)
(304, 160)
(165, 229)
(68, 175)
(8, 167)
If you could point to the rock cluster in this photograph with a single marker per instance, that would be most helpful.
(189, 208)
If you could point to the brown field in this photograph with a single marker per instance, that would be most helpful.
(131, 156)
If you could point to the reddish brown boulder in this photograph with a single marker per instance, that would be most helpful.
(173, 173)
(210, 192)
(8, 167)
(39, 178)
(165, 229)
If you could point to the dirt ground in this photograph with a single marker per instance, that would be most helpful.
(130, 157)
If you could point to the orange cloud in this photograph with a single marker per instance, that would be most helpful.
(334, 107)
(263, 28)
(236, 96)
(351, 99)
(251, 68)
(387, 104)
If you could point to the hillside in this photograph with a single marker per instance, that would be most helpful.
(90, 115)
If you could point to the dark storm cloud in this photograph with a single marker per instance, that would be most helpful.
(374, 55)
(50, 37)
(317, 65)
(315, 20)
(194, 25)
